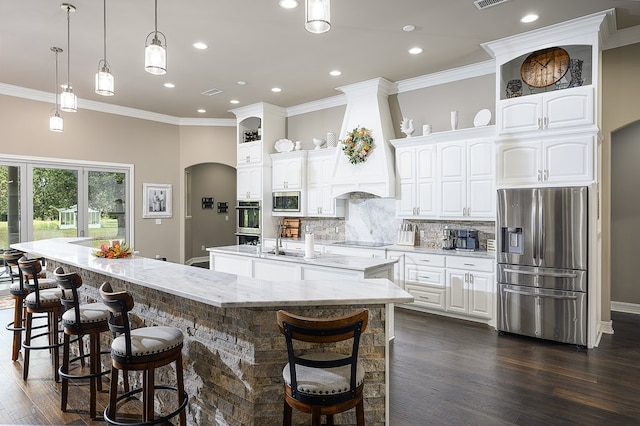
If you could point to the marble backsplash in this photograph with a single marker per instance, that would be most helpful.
(373, 219)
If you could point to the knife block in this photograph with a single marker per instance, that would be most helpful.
(408, 238)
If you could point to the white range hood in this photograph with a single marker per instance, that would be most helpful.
(367, 106)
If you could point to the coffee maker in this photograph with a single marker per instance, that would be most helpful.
(467, 239)
(448, 239)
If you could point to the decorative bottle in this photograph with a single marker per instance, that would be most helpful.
(454, 120)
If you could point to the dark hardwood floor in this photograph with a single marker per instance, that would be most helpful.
(450, 372)
(443, 372)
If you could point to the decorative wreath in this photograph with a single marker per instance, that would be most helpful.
(357, 145)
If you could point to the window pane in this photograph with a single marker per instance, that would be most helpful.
(9, 205)
(107, 206)
(55, 203)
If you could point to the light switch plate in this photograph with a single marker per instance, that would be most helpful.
(158, 221)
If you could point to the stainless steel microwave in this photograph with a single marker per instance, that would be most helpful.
(286, 201)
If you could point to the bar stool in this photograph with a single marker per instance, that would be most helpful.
(143, 349)
(80, 320)
(322, 382)
(19, 291)
(40, 301)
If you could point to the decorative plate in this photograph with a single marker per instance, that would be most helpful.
(284, 145)
(482, 118)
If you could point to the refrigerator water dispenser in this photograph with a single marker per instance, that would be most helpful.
(512, 240)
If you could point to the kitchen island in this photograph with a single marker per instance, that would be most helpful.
(233, 352)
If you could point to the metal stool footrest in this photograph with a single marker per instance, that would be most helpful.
(162, 419)
(69, 376)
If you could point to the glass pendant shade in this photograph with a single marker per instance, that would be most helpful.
(105, 84)
(155, 56)
(68, 99)
(56, 124)
(317, 16)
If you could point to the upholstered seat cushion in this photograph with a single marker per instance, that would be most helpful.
(48, 296)
(89, 313)
(148, 341)
(42, 284)
(323, 381)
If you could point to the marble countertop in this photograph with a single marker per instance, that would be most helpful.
(338, 261)
(217, 288)
(409, 249)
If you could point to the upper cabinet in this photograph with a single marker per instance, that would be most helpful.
(448, 175)
(547, 111)
(288, 170)
(548, 102)
(320, 203)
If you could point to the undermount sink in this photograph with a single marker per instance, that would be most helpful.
(285, 253)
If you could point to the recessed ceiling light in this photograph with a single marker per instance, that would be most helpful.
(169, 85)
(335, 73)
(234, 101)
(408, 28)
(242, 83)
(415, 50)
(200, 45)
(276, 89)
(529, 18)
(288, 4)
(202, 111)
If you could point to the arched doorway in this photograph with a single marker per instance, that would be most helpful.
(209, 225)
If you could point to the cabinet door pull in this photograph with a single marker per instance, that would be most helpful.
(545, 175)
(539, 175)
(539, 123)
(469, 264)
(546, 122)
(466, 277)
(248, 158)
(470, 278)
(426, 277)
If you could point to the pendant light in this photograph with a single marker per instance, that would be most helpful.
(317, 16)
(155, 52)
(68, 99)
(104, 79)
(56, 123)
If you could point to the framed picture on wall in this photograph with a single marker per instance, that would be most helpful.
(156, 200)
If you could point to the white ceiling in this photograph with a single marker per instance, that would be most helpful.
(258, 42)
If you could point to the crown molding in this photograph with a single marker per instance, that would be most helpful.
(334, 101)
(208, 122)
(622, 38)
(449, 76)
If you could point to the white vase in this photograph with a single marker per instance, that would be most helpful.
(331, 140)
(454, 120)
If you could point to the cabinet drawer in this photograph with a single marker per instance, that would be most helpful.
(474, 263)
(426, 297)
(425, 275)
(433, 260)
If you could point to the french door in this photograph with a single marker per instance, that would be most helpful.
(46, 198)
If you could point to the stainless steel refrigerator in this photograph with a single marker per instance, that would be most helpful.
(542, 263)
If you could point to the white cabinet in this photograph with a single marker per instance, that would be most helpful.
(320, 203)
(559, 160)
(416, 172)
(470, 286)
(546, 111)
(466, 179)
(249, 153)
(425, 280)
(288, 170)
(398, 268)
(249, 183)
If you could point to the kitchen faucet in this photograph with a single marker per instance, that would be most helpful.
(278, 237)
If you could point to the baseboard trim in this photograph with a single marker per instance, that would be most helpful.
(628, 308)
(197, 260)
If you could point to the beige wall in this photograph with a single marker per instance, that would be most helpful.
(305, 127)
(620, 106)
(155, 150)
(433, 105)
(625, 214)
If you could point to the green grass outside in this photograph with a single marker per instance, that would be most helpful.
(43, 229)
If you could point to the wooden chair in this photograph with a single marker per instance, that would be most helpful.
(317, 381)
(40, 301)
(143, 349)
(19, 290)
(80, 320)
